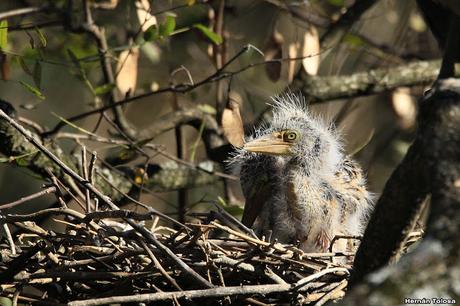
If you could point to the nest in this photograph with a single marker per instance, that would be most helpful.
(112, 256)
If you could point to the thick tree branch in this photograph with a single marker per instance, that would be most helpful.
(166, 177)
(393, 216)
(432, 165)
(325, 88)
(316, 89)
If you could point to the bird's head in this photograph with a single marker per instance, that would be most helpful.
(294, 134)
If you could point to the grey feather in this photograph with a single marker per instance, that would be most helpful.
(315, 193)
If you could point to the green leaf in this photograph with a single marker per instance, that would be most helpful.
(103, 89)
(42, 37)
(168, 27)
(212, 36)
(206, 108)
(234, 210)
(126, 155)
(81, 72)
(151, 33)
(33, 90)
(339, 3)
(3, 34)
(37, 76)
(353, 40)
(73, 125)
(31, 40)
(4, 301)
(23, 65)
(22, 161)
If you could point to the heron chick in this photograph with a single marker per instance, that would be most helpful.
(299, 185)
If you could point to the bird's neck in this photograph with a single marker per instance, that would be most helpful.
(315, 166)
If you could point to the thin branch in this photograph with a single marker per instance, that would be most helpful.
(98, 33)
(218, 75)
(151, 210)
(315, 88)
(9, 238)
(85, 184)
(304, 13)
(337, 30)
(22, 11)
(159, 266)
(334, 294)
(22, 200)
(42, 213)
(84, 167)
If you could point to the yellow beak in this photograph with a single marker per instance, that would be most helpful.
(272, 145)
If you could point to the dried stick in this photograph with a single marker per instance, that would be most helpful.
(159, 267)
(98, 34)
(9, 238)
(84, 183)
(334, 294)
(188, 294)
(22, 200)
(317, 275)
(339, 28)
(84, 167)
(22, 11)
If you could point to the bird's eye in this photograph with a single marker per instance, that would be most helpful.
(290, 136)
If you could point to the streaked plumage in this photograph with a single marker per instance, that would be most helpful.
(298, 184)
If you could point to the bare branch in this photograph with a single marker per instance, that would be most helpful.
(22, 200)
(22, 11)
(193, 294)
(337, 30)
(430, 166)
(326, 88)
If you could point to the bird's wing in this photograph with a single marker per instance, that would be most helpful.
(257, 182)
(350, 185)
(256, 196)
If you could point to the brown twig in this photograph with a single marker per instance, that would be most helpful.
(22, 11)
(84, 167)
(46, 191)
(188, 294)
(98, 33)
(9, 238)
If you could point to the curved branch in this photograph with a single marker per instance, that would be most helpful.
(432, 165)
